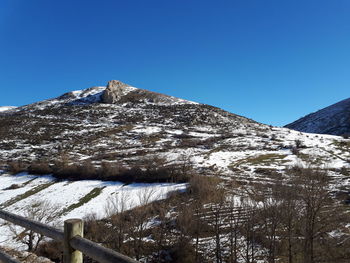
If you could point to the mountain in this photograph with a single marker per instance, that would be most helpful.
(6, 108)
(127, 131)
(334, 119)
(138, 128)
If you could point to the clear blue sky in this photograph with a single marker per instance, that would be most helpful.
(272, 61)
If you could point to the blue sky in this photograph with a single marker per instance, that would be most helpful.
(270, 60)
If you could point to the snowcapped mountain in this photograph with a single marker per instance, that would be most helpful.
(334, 119)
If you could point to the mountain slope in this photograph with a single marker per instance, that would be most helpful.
(6, 108)
(334, 119)
(139, 123)
(139, 128)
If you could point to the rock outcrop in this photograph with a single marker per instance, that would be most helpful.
(113, 92)
(118, 92)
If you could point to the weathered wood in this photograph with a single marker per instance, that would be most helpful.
(72, 228)
(32, 225)
(73, 240)
(99, 253)
(7, 258)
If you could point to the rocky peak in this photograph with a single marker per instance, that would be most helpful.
(118, 92)
(114, 91)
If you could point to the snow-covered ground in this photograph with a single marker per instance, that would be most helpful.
(72, 199)
(6, 108)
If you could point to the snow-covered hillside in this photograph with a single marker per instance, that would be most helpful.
(334, 119)
(140, 129)
(6, 108)
(140, 126)
(73, 199)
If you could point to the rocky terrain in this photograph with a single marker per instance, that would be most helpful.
(133, 127)
(334, 119)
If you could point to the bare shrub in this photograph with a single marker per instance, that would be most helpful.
(295, 150)
(40, 168)
(203, 187)
(13, 186)
(86, 170)
(299, 144)
(110, 169)
(42, 211)
(51, 249)
(16, 167)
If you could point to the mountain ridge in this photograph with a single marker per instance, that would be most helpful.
(334, 120)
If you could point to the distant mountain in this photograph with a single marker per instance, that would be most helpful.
(6, 108)
(334, 120)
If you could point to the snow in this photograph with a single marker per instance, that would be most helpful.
(64, 194)
(7, 108)
(147, 130)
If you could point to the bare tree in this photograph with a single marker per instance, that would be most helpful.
(42, 211)
(115, 210)
(216, 209)
(249, 230)
(139, 218)
(235, 218)
(315, 198)
(161, 231)
(290, 217)
(185, 165)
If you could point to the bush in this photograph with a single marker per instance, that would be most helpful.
(346, 135)
(151, 172)
(299, 144)
(183, 252)
(13, 186)
(203, 187)
(51, 250)
(16, 167)
(40, 167)
(344, 171)
(295, 150)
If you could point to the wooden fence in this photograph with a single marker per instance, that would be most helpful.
(74, 244)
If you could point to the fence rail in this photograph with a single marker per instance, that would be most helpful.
(74, 244)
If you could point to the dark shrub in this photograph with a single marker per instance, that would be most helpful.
(40, 167)
(13, 186)
(51, 250)
(16, 167)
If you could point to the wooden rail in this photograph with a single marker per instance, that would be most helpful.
(74, 244)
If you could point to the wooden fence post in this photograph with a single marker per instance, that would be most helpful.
(72, 228)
